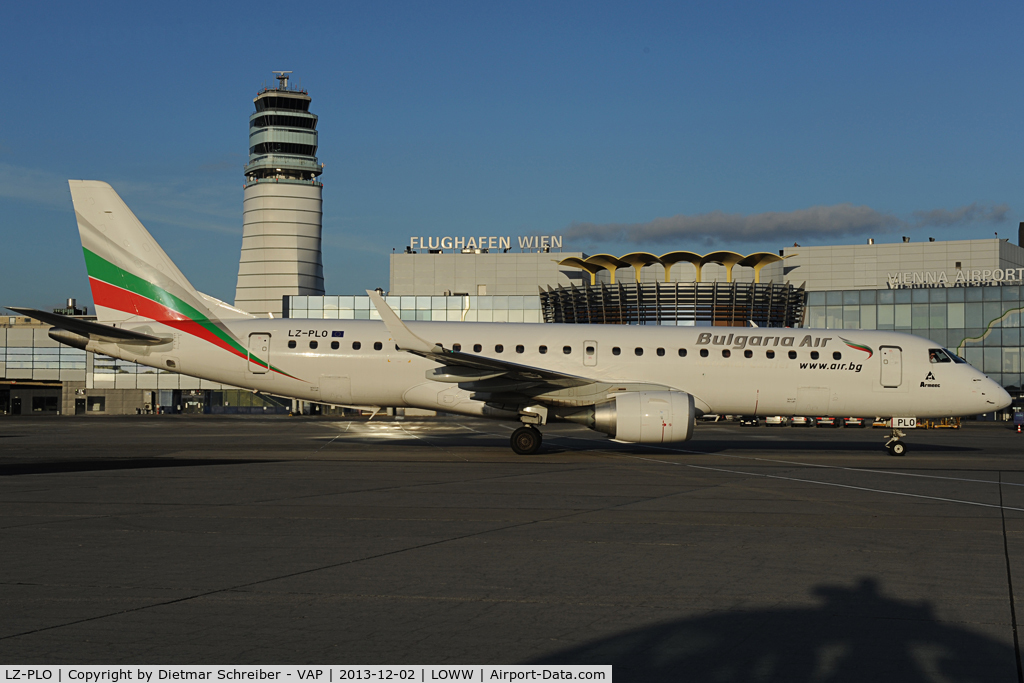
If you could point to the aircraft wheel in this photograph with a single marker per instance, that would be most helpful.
(526, 440)
(897, 448)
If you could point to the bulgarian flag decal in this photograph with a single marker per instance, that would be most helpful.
(116, 288)
(860, 347)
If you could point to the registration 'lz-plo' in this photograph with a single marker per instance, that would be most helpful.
(636, 384)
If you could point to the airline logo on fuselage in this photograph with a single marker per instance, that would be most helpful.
(859, 347)
(741, 341)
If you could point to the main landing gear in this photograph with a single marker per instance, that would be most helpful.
(526, 440)
(894, 445)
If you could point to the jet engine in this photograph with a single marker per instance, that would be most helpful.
(642, 416)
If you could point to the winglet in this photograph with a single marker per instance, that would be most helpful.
(403, 336)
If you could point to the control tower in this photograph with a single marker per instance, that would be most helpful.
(282, 204)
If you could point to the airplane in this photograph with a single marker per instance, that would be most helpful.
(636, 384)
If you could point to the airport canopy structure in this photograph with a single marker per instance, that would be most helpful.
(728, 304)
(638, 260)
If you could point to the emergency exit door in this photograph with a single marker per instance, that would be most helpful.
(892, 366)
(590, 353)
(259, 353)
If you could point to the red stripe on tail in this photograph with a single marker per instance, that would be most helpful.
(111, 296)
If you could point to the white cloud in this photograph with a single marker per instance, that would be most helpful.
(814, 223)
(717, 226)
(972, 213)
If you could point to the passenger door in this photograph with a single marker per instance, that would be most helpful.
(259, 353)
(590, 353)
(892, 366)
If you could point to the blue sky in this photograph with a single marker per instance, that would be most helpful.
(625, 126)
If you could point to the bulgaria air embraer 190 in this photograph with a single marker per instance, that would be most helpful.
(636, 384)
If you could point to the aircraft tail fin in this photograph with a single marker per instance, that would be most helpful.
(131, 277)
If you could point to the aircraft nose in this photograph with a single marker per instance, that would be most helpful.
(996, 396)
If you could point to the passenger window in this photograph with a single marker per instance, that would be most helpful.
(335, 345)
(498, 348)
(590, 350)
(836, 355)
(356, 346)
(542, 349)
(520, 348)
(638, 351)
(726, 353)
(769, 354)
(291, 343)
(456, 347)
(703, 353)
(814, 355)
(939, 356)
(567, 350)
(313, 345)
(748, 354)
(661, 352)
(682, 353)
(377, 346)
(616, 350)
(477, 348)
(792, 355)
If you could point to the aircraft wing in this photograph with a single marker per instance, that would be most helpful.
(90, 329)
(499, 379)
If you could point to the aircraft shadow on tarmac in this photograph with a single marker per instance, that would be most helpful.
(856, 634)
(65, 466)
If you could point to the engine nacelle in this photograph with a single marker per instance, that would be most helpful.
(647, 416)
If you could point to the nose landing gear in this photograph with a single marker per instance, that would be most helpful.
(526, 440)
(894, 445)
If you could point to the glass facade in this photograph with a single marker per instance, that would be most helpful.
(64, 361)
(981, 324)
(498, 309)
(112, 373)
(28, 353)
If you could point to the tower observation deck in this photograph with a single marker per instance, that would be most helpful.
(282, 203)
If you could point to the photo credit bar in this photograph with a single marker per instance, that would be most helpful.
(311, 673)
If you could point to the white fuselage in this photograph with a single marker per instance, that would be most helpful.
(727, 370)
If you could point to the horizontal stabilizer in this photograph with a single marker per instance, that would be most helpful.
(90, 329)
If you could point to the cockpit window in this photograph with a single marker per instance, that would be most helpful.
(939, 356)
(956, 358)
